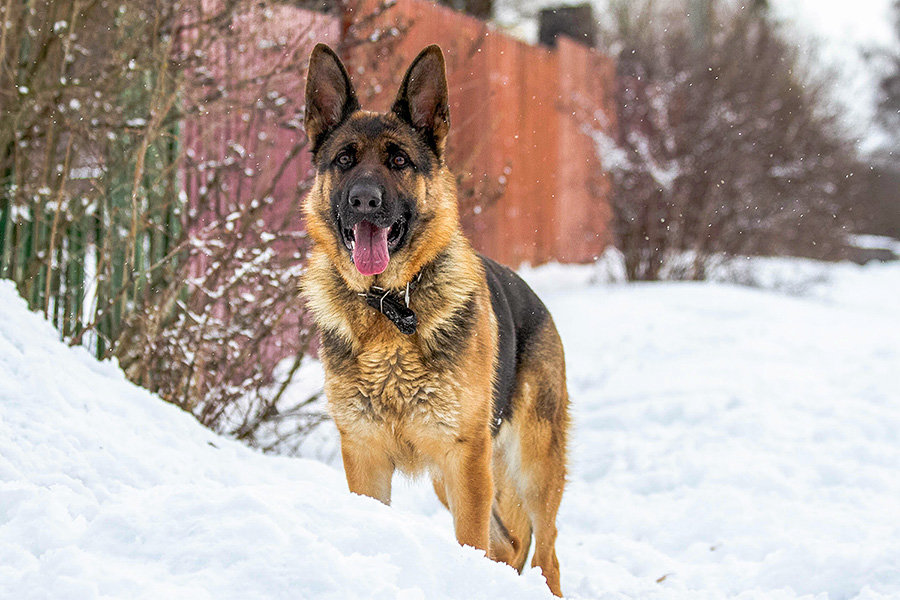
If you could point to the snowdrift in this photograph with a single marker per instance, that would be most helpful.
(108, 492)
(728, 442)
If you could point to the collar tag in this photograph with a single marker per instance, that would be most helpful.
(394, 308)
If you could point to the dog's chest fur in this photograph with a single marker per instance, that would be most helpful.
(390, 383)
(414, 396)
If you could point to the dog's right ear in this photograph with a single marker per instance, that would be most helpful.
(329, 95)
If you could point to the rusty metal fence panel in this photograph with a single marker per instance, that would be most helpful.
(533, 189)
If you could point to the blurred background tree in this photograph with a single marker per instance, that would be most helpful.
(889, 113)
(86, 149)
(725, 146)
(883, 201)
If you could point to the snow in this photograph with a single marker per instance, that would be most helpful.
(733, 440)
(108, 492)
(876, 242)
(729, 442)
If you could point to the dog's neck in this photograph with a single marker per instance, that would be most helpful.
(445, 272)
(395, 307)
(394, 304)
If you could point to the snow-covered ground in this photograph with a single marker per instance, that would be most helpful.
(107, 492)
(729, 442)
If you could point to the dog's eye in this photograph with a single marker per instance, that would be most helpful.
(344, 160)
(399, 161)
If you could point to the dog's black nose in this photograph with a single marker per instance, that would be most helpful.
(365, 197)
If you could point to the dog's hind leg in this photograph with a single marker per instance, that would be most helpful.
(541, 486)
(540, 426)
(543, 504)
(510, 523)
(438, 483)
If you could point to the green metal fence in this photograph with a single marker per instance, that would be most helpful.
(90, 249)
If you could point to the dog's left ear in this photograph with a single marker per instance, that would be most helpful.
(422, 100)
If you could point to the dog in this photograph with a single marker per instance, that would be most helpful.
(437, 359)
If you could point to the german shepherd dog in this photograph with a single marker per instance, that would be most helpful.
(436, 358)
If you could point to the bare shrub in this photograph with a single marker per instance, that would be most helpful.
(723, 146)
(152, 160)
(232, 343)
(89, 210)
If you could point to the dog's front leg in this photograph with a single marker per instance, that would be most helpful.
(368, 471)
(470, 490)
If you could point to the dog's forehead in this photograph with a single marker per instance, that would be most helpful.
(372, 127)
(377, 130)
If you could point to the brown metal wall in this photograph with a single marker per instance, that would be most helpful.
(518, 117)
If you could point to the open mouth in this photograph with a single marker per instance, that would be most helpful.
(395, 234)
(370, 245)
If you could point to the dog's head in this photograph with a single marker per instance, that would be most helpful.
(383, 200)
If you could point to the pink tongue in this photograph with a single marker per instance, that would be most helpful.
(370, 254)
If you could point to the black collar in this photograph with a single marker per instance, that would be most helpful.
(395, 306)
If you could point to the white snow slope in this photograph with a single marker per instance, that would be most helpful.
(728, 443)
(106, 491)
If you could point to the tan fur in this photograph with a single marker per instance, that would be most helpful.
(534, 448)
(399, 403)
